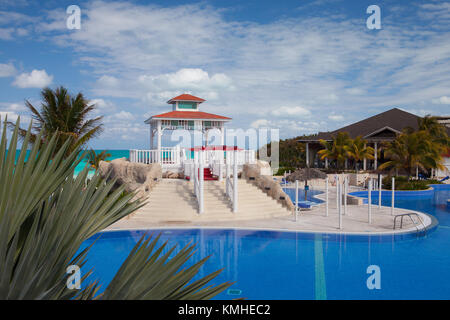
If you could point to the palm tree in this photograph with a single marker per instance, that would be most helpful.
(65, 115)
(435, 129)
(358, 150)
(95, 158)
(411, 150)
(46, 215)
(337, 149)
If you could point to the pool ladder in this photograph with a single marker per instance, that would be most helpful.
(410, 215)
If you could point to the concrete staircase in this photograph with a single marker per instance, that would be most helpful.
(173, 201)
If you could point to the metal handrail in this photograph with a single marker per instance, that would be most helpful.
(409, 215)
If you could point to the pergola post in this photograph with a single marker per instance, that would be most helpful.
(365, 160)
(375, 161)
(307, 155)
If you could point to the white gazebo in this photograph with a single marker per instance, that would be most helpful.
(186, 114)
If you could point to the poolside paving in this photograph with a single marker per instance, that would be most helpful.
(314, 220)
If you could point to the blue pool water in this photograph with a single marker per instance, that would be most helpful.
(290, 265)
(310, 196)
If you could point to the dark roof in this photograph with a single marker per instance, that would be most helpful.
(391, 120)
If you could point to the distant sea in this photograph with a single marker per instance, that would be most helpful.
(115, 154)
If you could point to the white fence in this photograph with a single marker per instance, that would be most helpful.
(177, 156)
(163, 156)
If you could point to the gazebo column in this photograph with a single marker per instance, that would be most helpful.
(222, 135)
(307, 155)
(151, 136)
(375, 161)
(159, 134)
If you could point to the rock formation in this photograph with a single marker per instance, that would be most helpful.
(137, 177)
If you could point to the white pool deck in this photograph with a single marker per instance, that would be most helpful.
(314, 220)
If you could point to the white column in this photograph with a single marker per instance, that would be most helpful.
(296, 200)
(201, 182)
(393, 196)
(227, 175)
(222, 134)
(365, 160)
(159, 134)
(235, 182)
(151, 136)
(369, 201)
(375, 162)
(339, 191)
(326, 196)
(326, 163)
(336, 178)
(345, 194)
(380, 182)
(307, 155)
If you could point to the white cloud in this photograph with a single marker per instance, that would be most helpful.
(35, 79)
(7, 70)
(336, 117)
(196, 81)
(442, 100)
(291, 111)
(12, 116)
(123, 115)
(260, 123)
(14, 107)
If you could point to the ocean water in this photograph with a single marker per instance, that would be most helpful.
(115, 154)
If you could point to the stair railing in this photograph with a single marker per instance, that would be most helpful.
(232, 187)
(199, 179)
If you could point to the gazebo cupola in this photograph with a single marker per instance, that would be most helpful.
(185, 115)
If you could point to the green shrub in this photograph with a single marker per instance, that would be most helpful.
(402, 183)
(282, 170)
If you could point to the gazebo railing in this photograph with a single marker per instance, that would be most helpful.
(178, 156)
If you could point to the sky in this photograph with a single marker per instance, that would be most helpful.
(299, 66)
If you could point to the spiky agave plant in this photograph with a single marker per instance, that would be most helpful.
(46, 214)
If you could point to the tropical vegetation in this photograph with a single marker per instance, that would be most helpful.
(342, 148)
(402, 183)
(94, 158)
(63, 114)
(46, 215)
(420, 149)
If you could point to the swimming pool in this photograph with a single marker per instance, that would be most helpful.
(292, 265)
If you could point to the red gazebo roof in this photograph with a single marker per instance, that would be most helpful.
(194, 115)
(186, 97)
